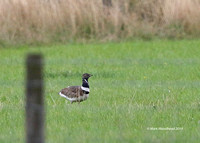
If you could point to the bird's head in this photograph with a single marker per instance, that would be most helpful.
(86, 76)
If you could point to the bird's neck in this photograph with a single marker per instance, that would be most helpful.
(85, 83)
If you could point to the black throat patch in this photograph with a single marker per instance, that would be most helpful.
(85, 84)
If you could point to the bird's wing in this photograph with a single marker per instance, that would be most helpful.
(71, 92)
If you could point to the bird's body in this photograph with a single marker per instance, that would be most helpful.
(77, 93)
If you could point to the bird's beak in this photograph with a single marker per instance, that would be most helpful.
(91, 75)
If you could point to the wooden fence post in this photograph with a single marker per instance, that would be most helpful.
(34, 100)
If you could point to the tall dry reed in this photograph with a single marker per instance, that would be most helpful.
(30, 21)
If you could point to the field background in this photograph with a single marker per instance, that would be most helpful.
(63, 21)
(136, 85)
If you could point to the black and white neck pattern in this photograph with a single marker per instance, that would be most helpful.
(85, 86)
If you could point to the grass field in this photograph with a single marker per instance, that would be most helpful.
(136, 85)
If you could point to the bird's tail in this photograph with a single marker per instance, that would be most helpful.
(62, 95)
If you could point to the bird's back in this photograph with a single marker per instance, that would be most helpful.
(71, 91)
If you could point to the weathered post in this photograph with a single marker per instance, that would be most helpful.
(34, 100)
(107, 3)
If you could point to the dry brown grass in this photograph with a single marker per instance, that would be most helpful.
(185, 13)
(29, 21)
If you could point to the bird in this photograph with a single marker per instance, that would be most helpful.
(77, 93)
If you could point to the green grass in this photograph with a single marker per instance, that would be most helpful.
(136, 85)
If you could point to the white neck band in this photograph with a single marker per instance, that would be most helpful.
(85, 89)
